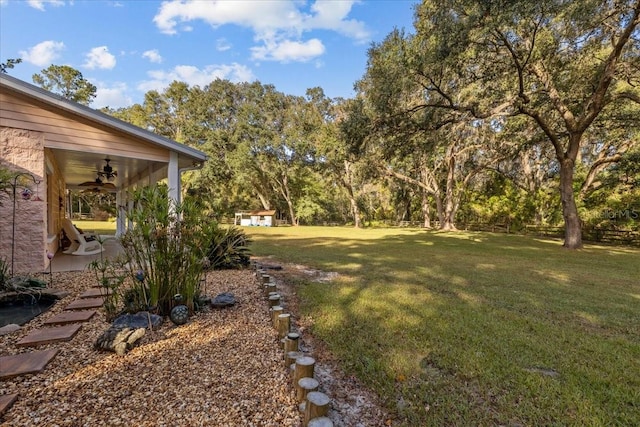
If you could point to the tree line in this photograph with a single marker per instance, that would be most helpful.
(504, 112)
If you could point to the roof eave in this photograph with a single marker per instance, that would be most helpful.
(88, 113)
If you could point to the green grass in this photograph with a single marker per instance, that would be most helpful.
(96, 227)
(475, 328)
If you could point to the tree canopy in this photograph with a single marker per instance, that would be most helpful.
(504, 112)
(67, 82)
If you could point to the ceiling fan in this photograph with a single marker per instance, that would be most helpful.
(107, 173)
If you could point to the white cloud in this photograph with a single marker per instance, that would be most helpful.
(43, 54)
(331, 15)
(4, 2)
(222, 44)
(278, 25)
(287, 51)
(194, 76)
(153, 56)
(115, 96)
(99, 57)
(40, 4)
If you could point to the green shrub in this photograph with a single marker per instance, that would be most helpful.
(228, 249)
(111, 275)
(167, 244)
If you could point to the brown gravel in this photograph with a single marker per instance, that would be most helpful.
(223, 368)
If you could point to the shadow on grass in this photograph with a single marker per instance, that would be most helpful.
(477, 328)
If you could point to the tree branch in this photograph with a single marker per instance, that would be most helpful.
(596, 101)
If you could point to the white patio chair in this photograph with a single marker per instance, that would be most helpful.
(81, 243)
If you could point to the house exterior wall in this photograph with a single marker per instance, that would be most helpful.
(67, 133)
(55, 200)
(22, 151)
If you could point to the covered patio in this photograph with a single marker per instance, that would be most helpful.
(57, 145)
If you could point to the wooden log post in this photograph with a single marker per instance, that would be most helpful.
(284, 324)
(320, 422)
(266, 278)
(304, 367)
(274, 300)
(269, 287)
(306, 385)
(276, 310)
(290, 358)
(291, 342)
(316, 406)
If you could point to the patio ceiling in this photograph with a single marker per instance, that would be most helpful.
(78, 167)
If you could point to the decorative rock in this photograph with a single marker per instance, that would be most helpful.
(119, 339)
(7, 329)
(139, 320)
(225, 299)
(179, 315)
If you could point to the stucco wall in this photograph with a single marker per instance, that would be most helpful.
(23, 151)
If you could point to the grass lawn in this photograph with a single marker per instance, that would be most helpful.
(475, 328)
(97, 227)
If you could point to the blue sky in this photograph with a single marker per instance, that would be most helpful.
(128, 47)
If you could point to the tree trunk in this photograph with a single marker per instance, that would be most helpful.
(439, 208)
(284, 190)
(572, 226)
(448, 222)
(425, 210)
(265, 202)
(294, 219)
(348, 183)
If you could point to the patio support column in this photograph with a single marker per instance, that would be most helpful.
(121, 213)
(173, 176)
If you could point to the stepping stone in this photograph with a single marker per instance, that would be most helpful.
(49, 335)
(58, 293)
(95, 292)
(7, 401)
(71, 317)
(25, 363)
(84, 303)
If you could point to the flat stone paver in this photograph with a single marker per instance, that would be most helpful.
(95, 292)
(71, 317)
(84, 303)
(6, 402)
(49, 335)
(25, 363)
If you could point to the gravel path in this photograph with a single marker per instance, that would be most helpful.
(223, 368)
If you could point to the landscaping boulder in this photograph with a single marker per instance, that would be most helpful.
(225, 299)
(119, 340)
(137, 320)
(11, 327)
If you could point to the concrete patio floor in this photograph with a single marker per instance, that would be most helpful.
(64, 262)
